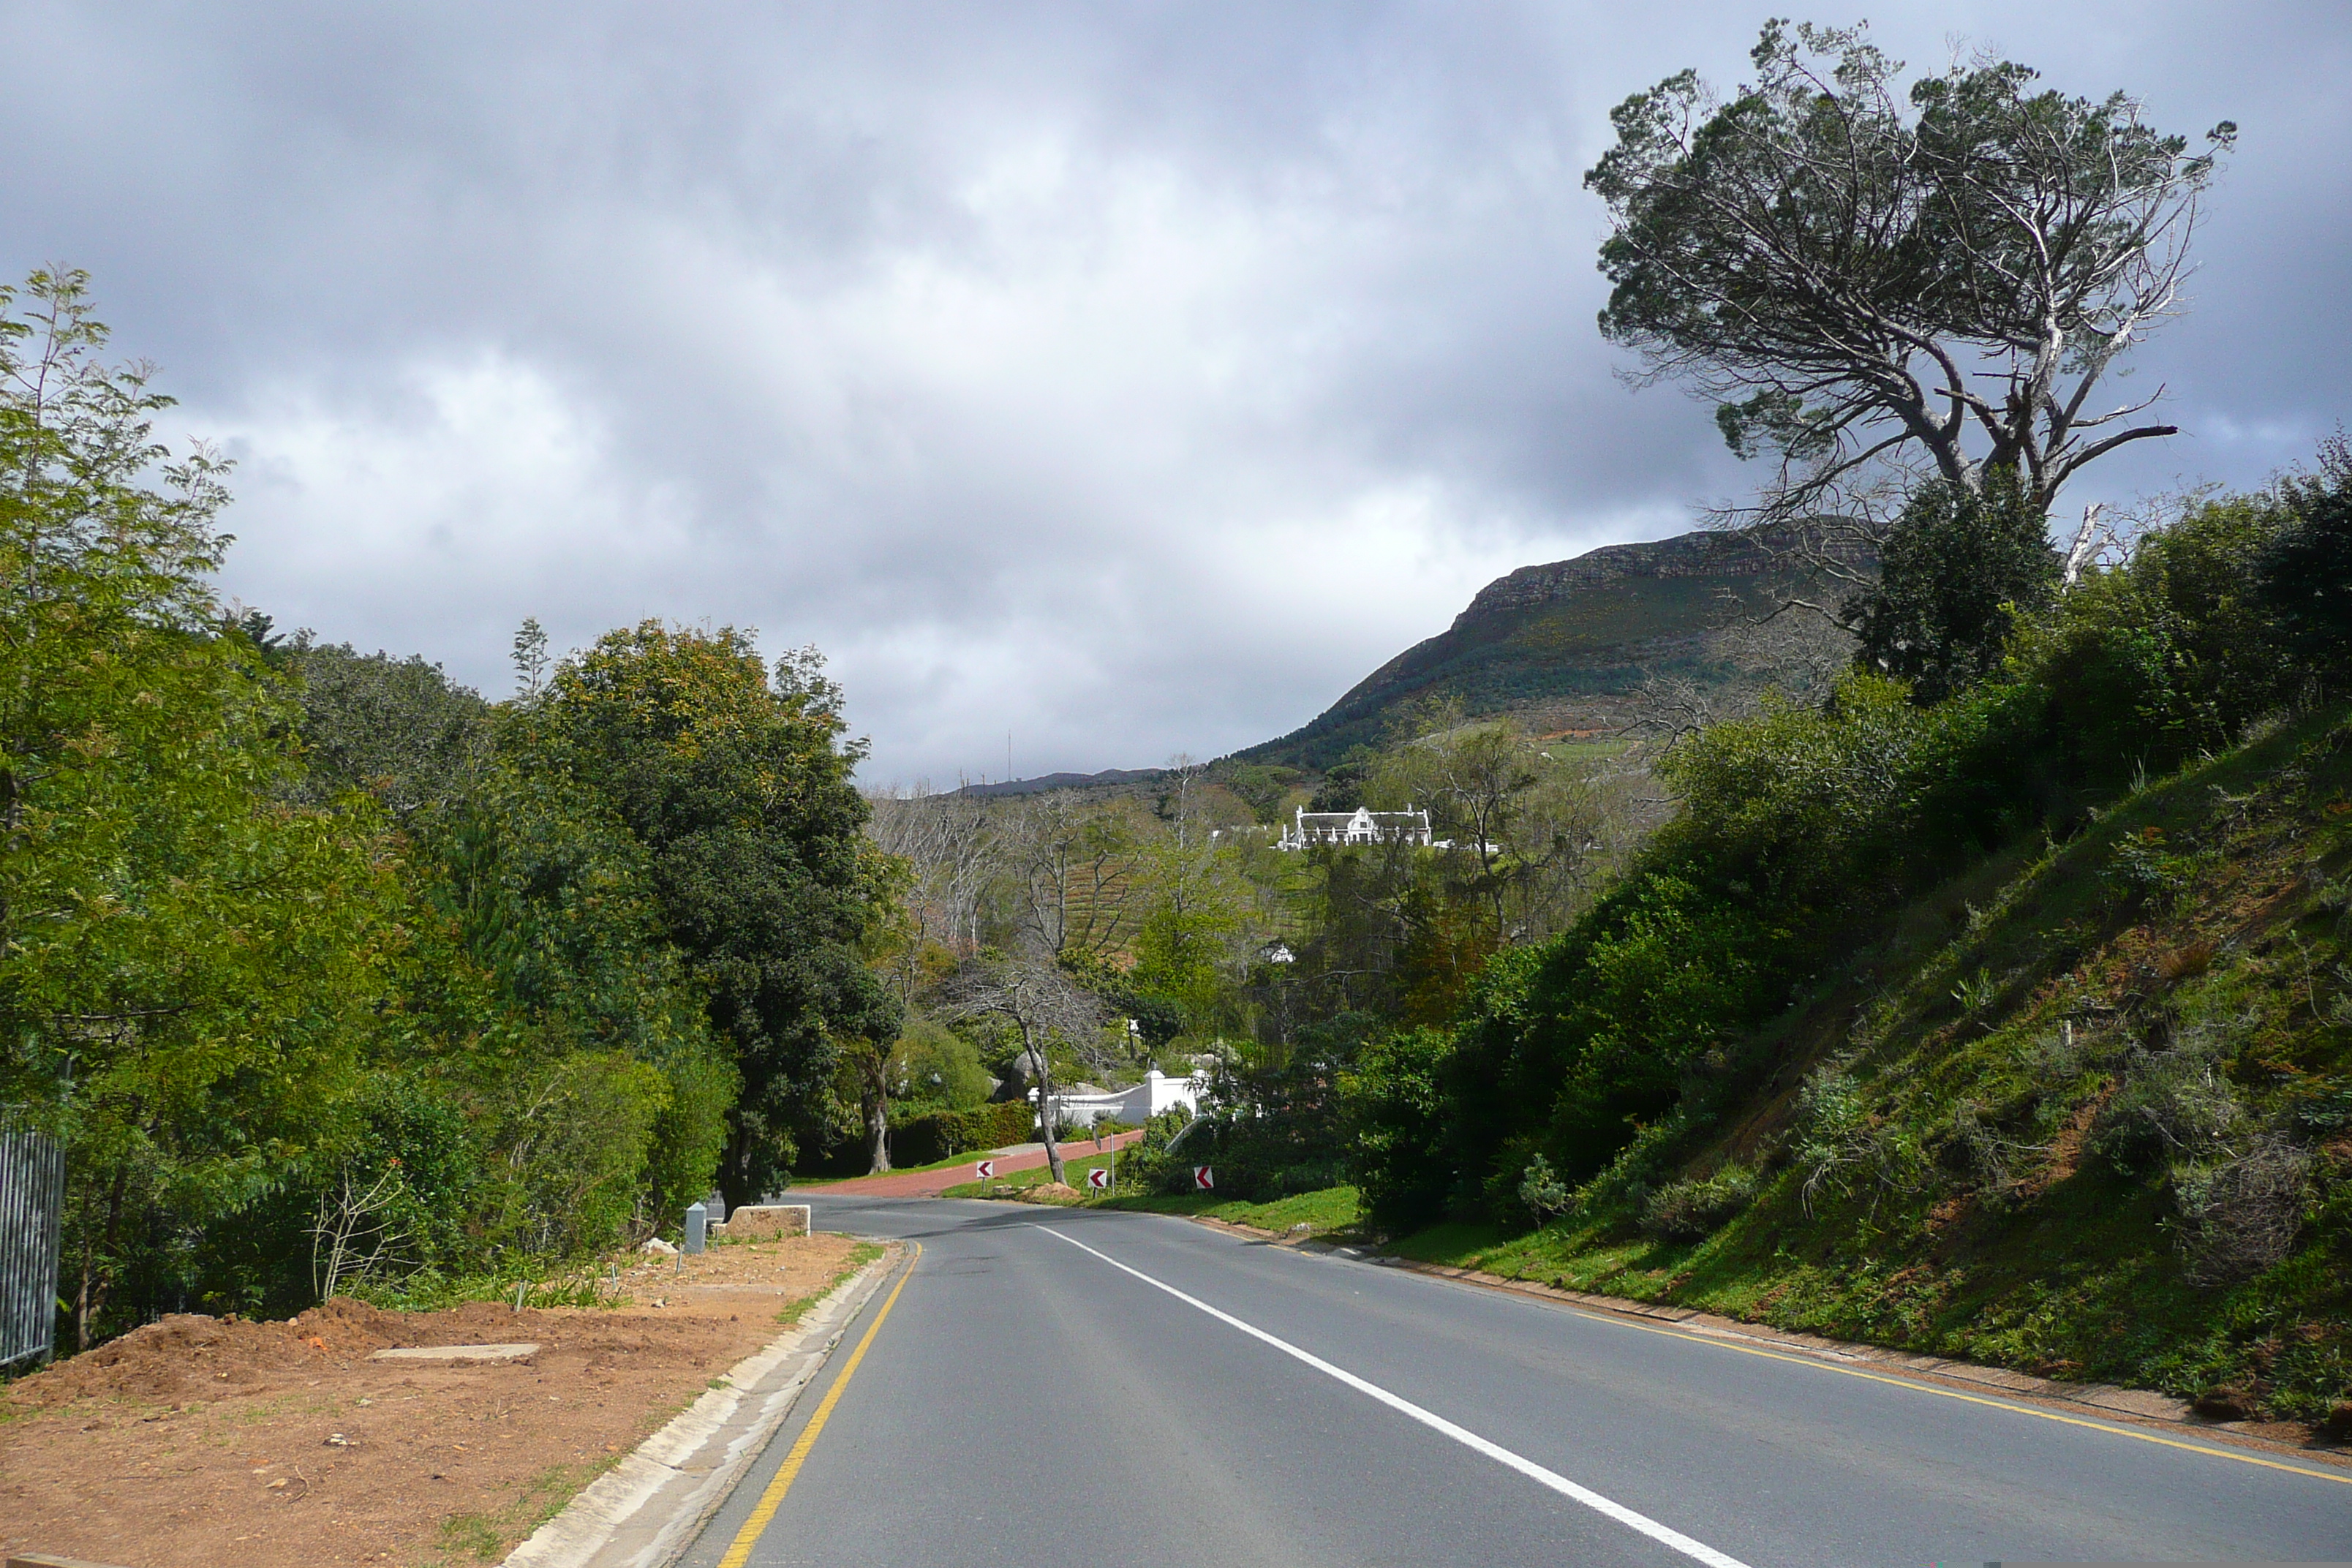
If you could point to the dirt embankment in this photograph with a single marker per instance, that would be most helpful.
(197, 1442)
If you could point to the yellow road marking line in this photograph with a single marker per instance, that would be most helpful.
(748, 1537)
(1687, 1336)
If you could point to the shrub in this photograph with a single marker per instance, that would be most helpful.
(1395, 1115)
(1541, 1192)
(1843, 1145)
(1146, 1166)
(1957, 567)
(2307, 570)
(2240, 1217)
(936, 1135)
(572, 1150)
(2172, 1104)
(2174, 652)
(1698, 1208)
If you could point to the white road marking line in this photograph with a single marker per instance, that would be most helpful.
(1697, 1551)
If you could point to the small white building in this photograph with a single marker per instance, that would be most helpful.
(1358, 827)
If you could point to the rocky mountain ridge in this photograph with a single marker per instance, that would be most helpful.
(1699, 554)
(1565, 645)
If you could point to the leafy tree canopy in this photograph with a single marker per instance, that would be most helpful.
(1957, 568)
(738, 788)
(1853, 274)
(187, 966)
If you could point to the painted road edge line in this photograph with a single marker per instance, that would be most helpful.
(1699, 1550)
(1919, 1385)
(739, 1552)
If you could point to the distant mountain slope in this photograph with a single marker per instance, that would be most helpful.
(1565, 644)
(1044, 782)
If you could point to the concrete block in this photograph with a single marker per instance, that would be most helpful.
(765, 1222)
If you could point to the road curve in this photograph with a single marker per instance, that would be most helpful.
(1084, 1387)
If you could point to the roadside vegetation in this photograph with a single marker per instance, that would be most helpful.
(1989, 1005)
(330, 975)
(1983, 999)
(1973, 977)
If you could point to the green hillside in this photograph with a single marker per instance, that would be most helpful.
(2085, 1110)
(1565, 644)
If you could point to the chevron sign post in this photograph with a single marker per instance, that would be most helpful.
(1100, 1179)
(987, 1170)
(1204, 1177)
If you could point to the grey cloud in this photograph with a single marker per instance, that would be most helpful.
(1132, 378)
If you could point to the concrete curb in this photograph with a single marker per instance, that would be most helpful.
(646, 1510)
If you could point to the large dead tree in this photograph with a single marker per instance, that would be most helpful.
(1077, 864)
(950, 854)
(1877, 288)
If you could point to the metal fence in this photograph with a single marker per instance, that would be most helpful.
(32, 1202)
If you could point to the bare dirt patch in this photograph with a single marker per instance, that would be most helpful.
(198, 1441)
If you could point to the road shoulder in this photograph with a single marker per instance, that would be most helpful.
(648, 1509)
(2089, 1400)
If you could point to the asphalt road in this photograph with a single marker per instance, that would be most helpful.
(1053, 1386)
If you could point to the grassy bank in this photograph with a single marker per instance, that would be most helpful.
(2086, 1112)
(970, 1157)
(1074, 1167)
(1330, 1212)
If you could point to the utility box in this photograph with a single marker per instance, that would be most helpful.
(697, 1226)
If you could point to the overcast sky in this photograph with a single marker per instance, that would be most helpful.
(1130, 378)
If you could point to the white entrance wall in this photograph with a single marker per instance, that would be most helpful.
(1156, 1093)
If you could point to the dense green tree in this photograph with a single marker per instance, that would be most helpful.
(396, 727)
(2144, 664)
(937, 1069)
(188, 967)
(738, 787)
(1957, 569)
(1261, 788)
(2306, 570)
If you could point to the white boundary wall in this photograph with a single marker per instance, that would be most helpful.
(1156, 1093)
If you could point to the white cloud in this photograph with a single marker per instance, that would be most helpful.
(1134, 379)
(463, 498)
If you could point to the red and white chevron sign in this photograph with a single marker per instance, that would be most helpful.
(1099, 1178)
(987, 1170)
(1204, 1177)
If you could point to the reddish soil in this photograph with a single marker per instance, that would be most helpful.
(931, 1183)
(198, 1442)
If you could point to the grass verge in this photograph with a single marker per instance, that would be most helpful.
(863, 1253)
(1074, 1164)
(1330, 1211)
(485, 1536)
(970, 1156)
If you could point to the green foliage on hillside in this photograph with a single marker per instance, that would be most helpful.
(2086, 1111)
(2089, 1123)
(1957, 570)
(1591, 649)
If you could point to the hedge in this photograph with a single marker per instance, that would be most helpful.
(941, 1134)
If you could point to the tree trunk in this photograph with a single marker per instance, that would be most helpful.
(1045, 1115)
(877, 1128)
